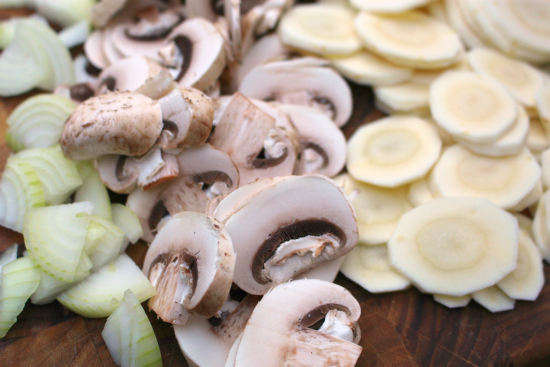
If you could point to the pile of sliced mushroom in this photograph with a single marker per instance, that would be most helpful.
(222, 123)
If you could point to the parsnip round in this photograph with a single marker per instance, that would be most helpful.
(393, 151)
(472, 107)
(370, 268)
(323, 29)
(493, 299)
(520, 79)
(455, 246)
(410, 39)
(505, 180)
(527, 280)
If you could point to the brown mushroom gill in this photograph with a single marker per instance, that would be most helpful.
(81, 92)
(170, 126)
(157, 34)
(207, 179)
(217, 7)
(119, 169)
(158, 212)
(314, 319)
(109, 83)
(92, 69)
(185, 49)
(168, 268)
(317, 149)
(294, 231)
(260, 161)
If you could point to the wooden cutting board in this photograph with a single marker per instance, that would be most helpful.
(400, 329)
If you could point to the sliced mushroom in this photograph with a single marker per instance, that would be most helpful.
(305, 81)
(204, 173)
(268, 48)
(94, 49)
(158, 86)
(112, 54)
(323, 142)
(116, 123)
(229, 204)
(194, 53)
(291, 227)
(188, 115)
(284, 327)
(118, 172)
(190, 263)
(251, 138)
(146, 36)
(206, 342)
(327, 271)
(127, 74)
(104, 10)
(77, 93)
(82, 71)
(122, 174)
(262, 19)
(207, 9)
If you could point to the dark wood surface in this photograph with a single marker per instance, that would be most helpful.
(400, 329)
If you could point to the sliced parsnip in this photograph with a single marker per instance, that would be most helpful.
(494, 299)
(541, 226)
(420, 193)
(455, 246)
(410, 39)
(505, 180)
(404, 97)
(423, 112)
(453, 302)
(459, 24)
(370, 268)
(512, 142)
(388, 6)
(368, 69)
(530, 199)
(324, 29)
(542, 99)
(446, 138)
(525, 223)
(472, 107)
(545, 163)
(377, 209)
(537, 137)
(519, 78)
(393, 151)
(527, 280)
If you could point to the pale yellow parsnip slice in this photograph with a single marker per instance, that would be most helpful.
(493, 299)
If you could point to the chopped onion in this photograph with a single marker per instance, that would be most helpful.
(94, 191)
(100, 294)
(107, 247)
(126, 220)
(20, 279)
(55, 238)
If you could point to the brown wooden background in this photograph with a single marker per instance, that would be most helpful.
(400, 329)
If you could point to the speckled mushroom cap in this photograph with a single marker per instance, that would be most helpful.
(115, 123)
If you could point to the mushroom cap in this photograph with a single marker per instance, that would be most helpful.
(202, 48)
(115, 123)
(298, 213)
(127, 74)
(301, 81)
(188, 115)
(201, 245)
(326, 272)
(126, 39)
(93, 47)
(278, 333)
(204, 344)
(104, 10)
(320, 136)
